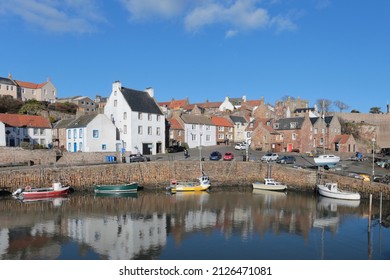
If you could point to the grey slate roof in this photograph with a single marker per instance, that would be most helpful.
(238, 119)
(63, 123)
(6, 81)
(141, 101)
(82, 121)
(285, 124)
(328, 120)
(196, 119)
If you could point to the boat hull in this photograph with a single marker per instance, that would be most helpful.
(322, 190)
(117, 188)
(263, 186)
(328, 160)
(190, 188)
(44, 193)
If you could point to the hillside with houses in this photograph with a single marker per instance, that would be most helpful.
(132, 120)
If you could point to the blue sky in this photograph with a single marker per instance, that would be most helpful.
(204, 49)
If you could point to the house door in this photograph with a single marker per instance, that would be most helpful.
(147, 148)
(289, 147)
(74, 147)
(158, 148)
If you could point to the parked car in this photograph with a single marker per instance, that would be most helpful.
(215, 155)
(228, 156)
(175, 149)
(270, 157)
(240, 146)
(286, 160)
(138, 158)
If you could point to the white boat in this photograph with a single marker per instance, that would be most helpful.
(329, 160)
(270, 185)
(331, 190)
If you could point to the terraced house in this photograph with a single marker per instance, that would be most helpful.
(16, 129)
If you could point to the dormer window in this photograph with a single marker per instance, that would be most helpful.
(293, 125)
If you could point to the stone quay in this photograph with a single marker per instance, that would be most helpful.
(156, 176)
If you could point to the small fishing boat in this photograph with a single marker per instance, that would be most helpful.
(329, 160)
(202, 185)
(270, 185)
(28, 192)
(331, 190)
(117, 188)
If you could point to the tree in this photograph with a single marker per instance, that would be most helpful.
(355, 111)
(341, 105)
(31, 107)
(10, 105)
(323, 105)
(375, 110)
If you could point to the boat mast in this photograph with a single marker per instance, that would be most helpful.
(324, 125)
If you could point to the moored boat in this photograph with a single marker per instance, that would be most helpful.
(331, 190)
(57, 189)
(179, 186)
(270, 185)
(117, 188)
(329, 160)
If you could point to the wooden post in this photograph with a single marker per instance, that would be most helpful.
(380, 209)
(369, 214)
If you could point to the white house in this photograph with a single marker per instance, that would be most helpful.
(139, 119)
(226, 105)
(18, 129)
(199, 130)
(91, 133)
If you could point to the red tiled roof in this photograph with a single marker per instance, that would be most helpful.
(253, 103)
(209, 104)
(30, 85)
(177, 104)
(341, 139)
(221, 121)
(164, 104)
(175, 124)
(16, 120)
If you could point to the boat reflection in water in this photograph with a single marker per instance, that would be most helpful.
(56, 201)
(217, 225)
(128, 194)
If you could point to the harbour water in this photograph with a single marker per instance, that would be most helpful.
(222, 225)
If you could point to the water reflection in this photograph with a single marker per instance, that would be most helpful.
(204, 225)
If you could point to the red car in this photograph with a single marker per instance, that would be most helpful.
(228, 156)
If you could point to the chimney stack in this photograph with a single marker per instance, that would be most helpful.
(150, 91)
(116, 86)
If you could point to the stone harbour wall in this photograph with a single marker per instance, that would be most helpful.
(156, 175)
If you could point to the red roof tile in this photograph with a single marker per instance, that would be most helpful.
(221, 121)
(175, 124)
(341, 139)
(16, 120)
(177, 104)
(30, 85)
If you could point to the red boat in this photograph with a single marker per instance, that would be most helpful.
(54, 191)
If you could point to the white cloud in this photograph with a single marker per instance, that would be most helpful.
(145, 9)
(231, 33)
(55, 15)
(241, 15)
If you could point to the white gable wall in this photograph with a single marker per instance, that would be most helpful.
(204, 135)
(104, 138)
(2, 135)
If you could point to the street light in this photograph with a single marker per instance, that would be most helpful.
(373, 158)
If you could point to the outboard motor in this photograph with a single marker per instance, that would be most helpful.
(17, 192)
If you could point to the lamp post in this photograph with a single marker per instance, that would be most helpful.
(373, 159)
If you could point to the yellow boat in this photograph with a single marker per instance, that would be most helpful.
(202, 185)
